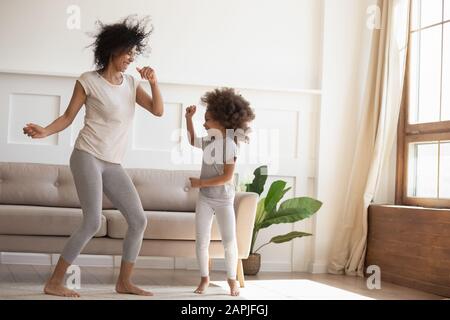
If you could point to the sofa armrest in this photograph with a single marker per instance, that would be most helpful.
(245, 204)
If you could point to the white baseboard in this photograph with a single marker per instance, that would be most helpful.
(301, 268)
(275, 266)
(188, 263)
(318, 267)
(26, 258)
(151, 262)
(141, 262)
(52, 259)
(180, 263)
(219, 265)
(94, 261)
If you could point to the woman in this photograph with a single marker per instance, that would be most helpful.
(109, 96)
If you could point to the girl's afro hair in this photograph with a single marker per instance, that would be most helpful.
(231, 110)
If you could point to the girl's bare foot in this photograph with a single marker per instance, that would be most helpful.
(129, 288)
(57, 289)
(234, 287)
(204, 283)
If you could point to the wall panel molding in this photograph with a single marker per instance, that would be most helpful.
(294, 113)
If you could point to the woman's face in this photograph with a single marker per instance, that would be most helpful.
(122, 61)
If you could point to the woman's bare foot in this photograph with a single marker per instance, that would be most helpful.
(124, 284)
(54, 285)
(57, 289)
(204, 283)
(129, 288)
(234, 287)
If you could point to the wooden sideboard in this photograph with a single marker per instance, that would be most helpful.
(411, 245)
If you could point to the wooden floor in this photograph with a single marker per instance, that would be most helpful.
(26, 282)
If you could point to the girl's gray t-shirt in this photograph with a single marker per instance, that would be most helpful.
(216, 153)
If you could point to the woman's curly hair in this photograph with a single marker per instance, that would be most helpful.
(231, 110)
(120, 37)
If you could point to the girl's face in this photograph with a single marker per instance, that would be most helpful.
(122, 61)
(210, 123)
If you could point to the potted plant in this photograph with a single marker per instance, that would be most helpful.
(268, 212)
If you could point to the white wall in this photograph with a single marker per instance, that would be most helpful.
(251, 43)
(273, 68)
(343, 72)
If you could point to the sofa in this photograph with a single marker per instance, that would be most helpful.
(39, 210)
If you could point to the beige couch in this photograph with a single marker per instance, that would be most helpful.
(39, 210)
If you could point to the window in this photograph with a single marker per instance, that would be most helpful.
(423, 161)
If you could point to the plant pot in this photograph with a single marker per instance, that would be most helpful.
(252, 264)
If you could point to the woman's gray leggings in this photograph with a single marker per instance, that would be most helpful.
(93, 177)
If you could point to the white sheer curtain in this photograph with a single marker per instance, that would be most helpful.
(379, 115)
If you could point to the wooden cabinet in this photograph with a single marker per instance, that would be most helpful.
(411, 245)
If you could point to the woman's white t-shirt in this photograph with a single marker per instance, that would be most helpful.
(109, 116)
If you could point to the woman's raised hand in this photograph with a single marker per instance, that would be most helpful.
(34, 131)
(190, 111)
(147, 73)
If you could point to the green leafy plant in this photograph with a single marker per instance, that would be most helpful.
(268, 211)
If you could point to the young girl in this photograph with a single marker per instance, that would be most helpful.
(226, 119)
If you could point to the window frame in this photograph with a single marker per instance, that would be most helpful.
(409, 133)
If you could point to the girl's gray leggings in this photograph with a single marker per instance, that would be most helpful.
(92, 177)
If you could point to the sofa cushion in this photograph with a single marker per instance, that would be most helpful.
(53, 186)
(50, 221)
(161, 225)
(165, 190)
(37, 184)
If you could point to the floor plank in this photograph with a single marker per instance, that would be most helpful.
(25, 274)
(26, 282)
(5, 274)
